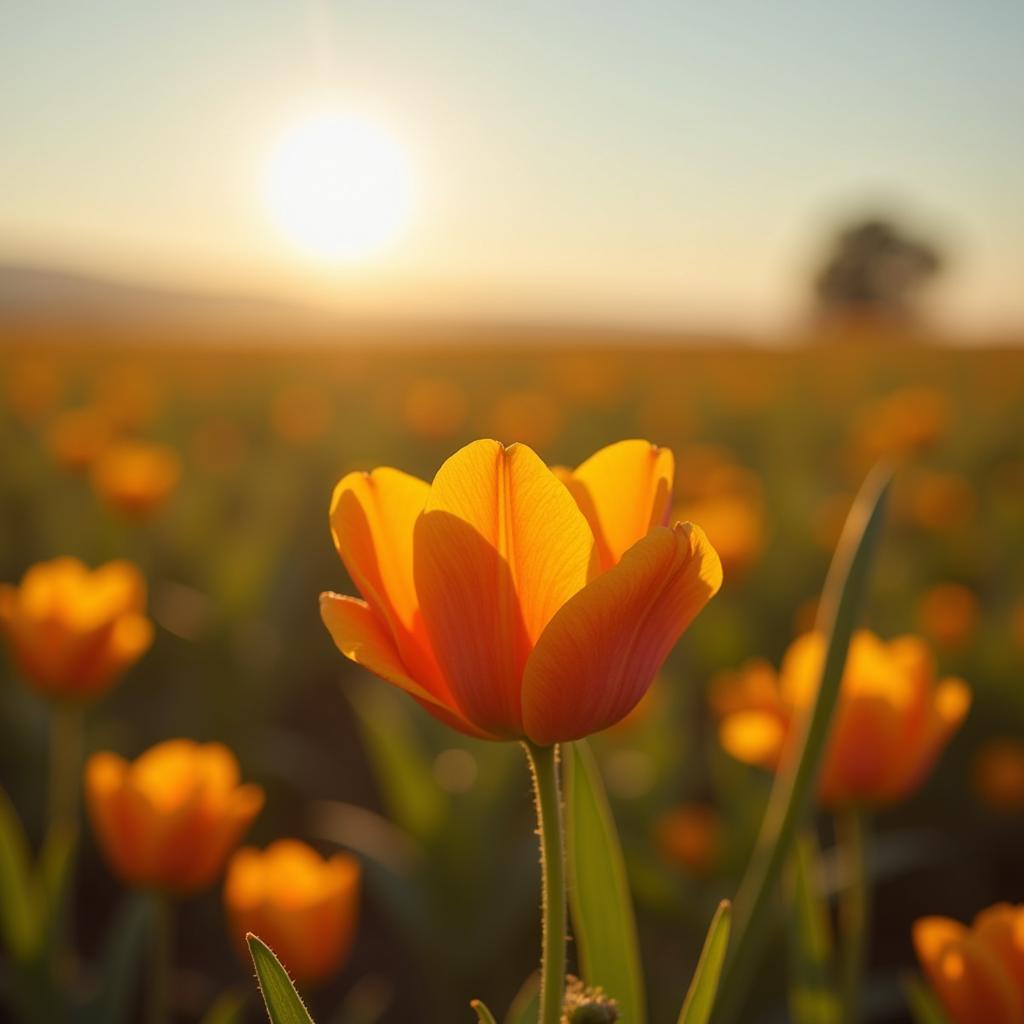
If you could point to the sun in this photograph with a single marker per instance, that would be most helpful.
(339, 187)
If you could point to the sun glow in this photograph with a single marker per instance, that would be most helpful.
(339, 187)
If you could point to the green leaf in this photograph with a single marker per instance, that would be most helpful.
(526, 1005)
(925, 1007)
(602, 909)
(283, 1003)
(793, 789)
(20, 919)
(812, 994)
(404, 774)
(483, 1015)
(700, 999)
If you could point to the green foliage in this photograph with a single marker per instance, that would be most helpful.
(19, 916)
(812, 995)
(602, 908)
(924, 1005)
(526, 1005)
(700, 999)
(483, 1015)
(793, 789)
(282, 1001)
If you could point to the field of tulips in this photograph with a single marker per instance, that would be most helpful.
(766, 666)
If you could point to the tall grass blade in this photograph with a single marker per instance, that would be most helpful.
(792, 792)
(700, 999)
(283, 1003)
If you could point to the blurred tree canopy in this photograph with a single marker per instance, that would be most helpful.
(874, 269)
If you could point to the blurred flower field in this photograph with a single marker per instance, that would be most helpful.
(211, 472)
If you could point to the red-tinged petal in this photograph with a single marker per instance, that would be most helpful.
(601, 651)
(500, 547)
(624, 490)
(361, 636)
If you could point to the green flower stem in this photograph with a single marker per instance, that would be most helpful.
(65, 766)
(544, 769)
(854, 908)
(158, 1009)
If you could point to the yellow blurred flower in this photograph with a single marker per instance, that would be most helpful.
(76, 437)
(301, 413)
(690, 836)
(302, 905)
(135, 478)
(72, 632)
(170, 819)
(977, 972)
(531, 417)
(892, 720)
(948, 614)
(435, 408)
(999, 775)
(726, 499)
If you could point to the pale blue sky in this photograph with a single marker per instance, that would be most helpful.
(655, 162)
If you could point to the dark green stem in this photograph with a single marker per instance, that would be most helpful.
(158, 1008)
(854, 908)
(547, 792)
(65, 766)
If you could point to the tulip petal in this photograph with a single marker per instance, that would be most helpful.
(624, 490)
(969, 978)
(500, 547)
(363, 638)
(602, 649)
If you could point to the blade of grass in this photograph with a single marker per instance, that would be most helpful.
(793, 789)
(19, 918)
(483, 1015)
(282, 1001)
(700, 999)
(526, 1005)
(812, 995)
(602, 909)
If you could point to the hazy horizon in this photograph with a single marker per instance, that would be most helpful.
(657, 166)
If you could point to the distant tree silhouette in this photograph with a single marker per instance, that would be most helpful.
(874, 270)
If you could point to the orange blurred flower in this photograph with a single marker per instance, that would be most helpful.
(301, 413)
(999, 775)
(506, 607)
(937, 502)
(892, 720)
(901, 424)
(135, 478)
(977, 972)
(32, 388)
(170, 819)
(300, 904)
(948, 614)
(690, 836)
(435, 407)
(72, 632)
(128, 396)
(76, 438)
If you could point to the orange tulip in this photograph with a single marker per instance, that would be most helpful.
(977, 972)
(300, 904)
(170, 819)
(72, 632)
(77, 437)
(690, 836)
(135, 478)
(891, 722)
(504, 606)
(999, 775)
